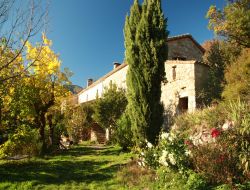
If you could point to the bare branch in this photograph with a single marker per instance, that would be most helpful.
(26, 24)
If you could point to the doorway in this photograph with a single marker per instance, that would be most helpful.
(183, 104)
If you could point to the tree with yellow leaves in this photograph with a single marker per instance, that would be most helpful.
(49, 82)
(7, 79)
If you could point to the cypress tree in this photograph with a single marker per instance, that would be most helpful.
(146, 52)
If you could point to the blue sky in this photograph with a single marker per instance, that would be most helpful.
(88, 34)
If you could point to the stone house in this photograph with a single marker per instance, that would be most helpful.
(185, 76)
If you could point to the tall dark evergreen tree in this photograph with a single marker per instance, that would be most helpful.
(146, 52)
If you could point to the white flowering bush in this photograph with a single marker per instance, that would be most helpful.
(173, 152)
(149, 156)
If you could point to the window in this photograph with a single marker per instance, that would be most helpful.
(174, 72)
(179, 58)
(97, 94)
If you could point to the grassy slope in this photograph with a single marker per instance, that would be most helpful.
(78, 168)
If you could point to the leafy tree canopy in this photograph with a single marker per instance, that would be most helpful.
(237, 76)
(109, 108)
(233, 22)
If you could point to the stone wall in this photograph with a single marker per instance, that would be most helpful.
(183, 85)
(97, 134)
(189, 78)
(185, 78)
(184, 48)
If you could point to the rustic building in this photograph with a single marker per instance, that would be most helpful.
(185, 76)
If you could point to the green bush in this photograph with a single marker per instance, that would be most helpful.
(76, 120)
(24, 142)
(223, 187)
(123, 133)
(195, 181)
(244, 186)
(169, 179)
(237, 78)
(239, 112)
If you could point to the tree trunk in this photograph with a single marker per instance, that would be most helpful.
(0, 116)
(51, 130)
(42, 131)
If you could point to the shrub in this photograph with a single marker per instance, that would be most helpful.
(169, 179)
(223, 187)
(244, 186)
(214, 142)
(237, 78)
(219, 141)
(173, 152)
(187, 124)
(239, 112)
(218, 157)
(78, 119)
(123, 133)
(24, 142)
(195, 182)
(148, 156)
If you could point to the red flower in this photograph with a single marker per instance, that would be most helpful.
(187, 142)
(215, 132)
(221, 159)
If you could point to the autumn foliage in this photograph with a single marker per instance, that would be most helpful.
(33, 99)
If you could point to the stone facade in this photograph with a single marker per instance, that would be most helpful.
(184, 47)
(185, 79)
(184, 73)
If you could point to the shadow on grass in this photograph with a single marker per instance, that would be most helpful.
(62, 171)
(91, 150)
(80, 151)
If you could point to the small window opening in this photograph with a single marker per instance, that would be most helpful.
(97, 94)
(174, 72)
(179, 58)
(183, 104)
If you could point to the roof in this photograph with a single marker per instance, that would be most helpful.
(125, 64)
(104, 77)
(178, 37)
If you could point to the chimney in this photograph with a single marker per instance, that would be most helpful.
(116, 64)
(89, 82)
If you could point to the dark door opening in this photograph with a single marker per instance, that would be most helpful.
(183, 104)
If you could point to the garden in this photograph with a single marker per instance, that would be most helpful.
(207, 149)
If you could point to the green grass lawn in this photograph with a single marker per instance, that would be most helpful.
(81, 167)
